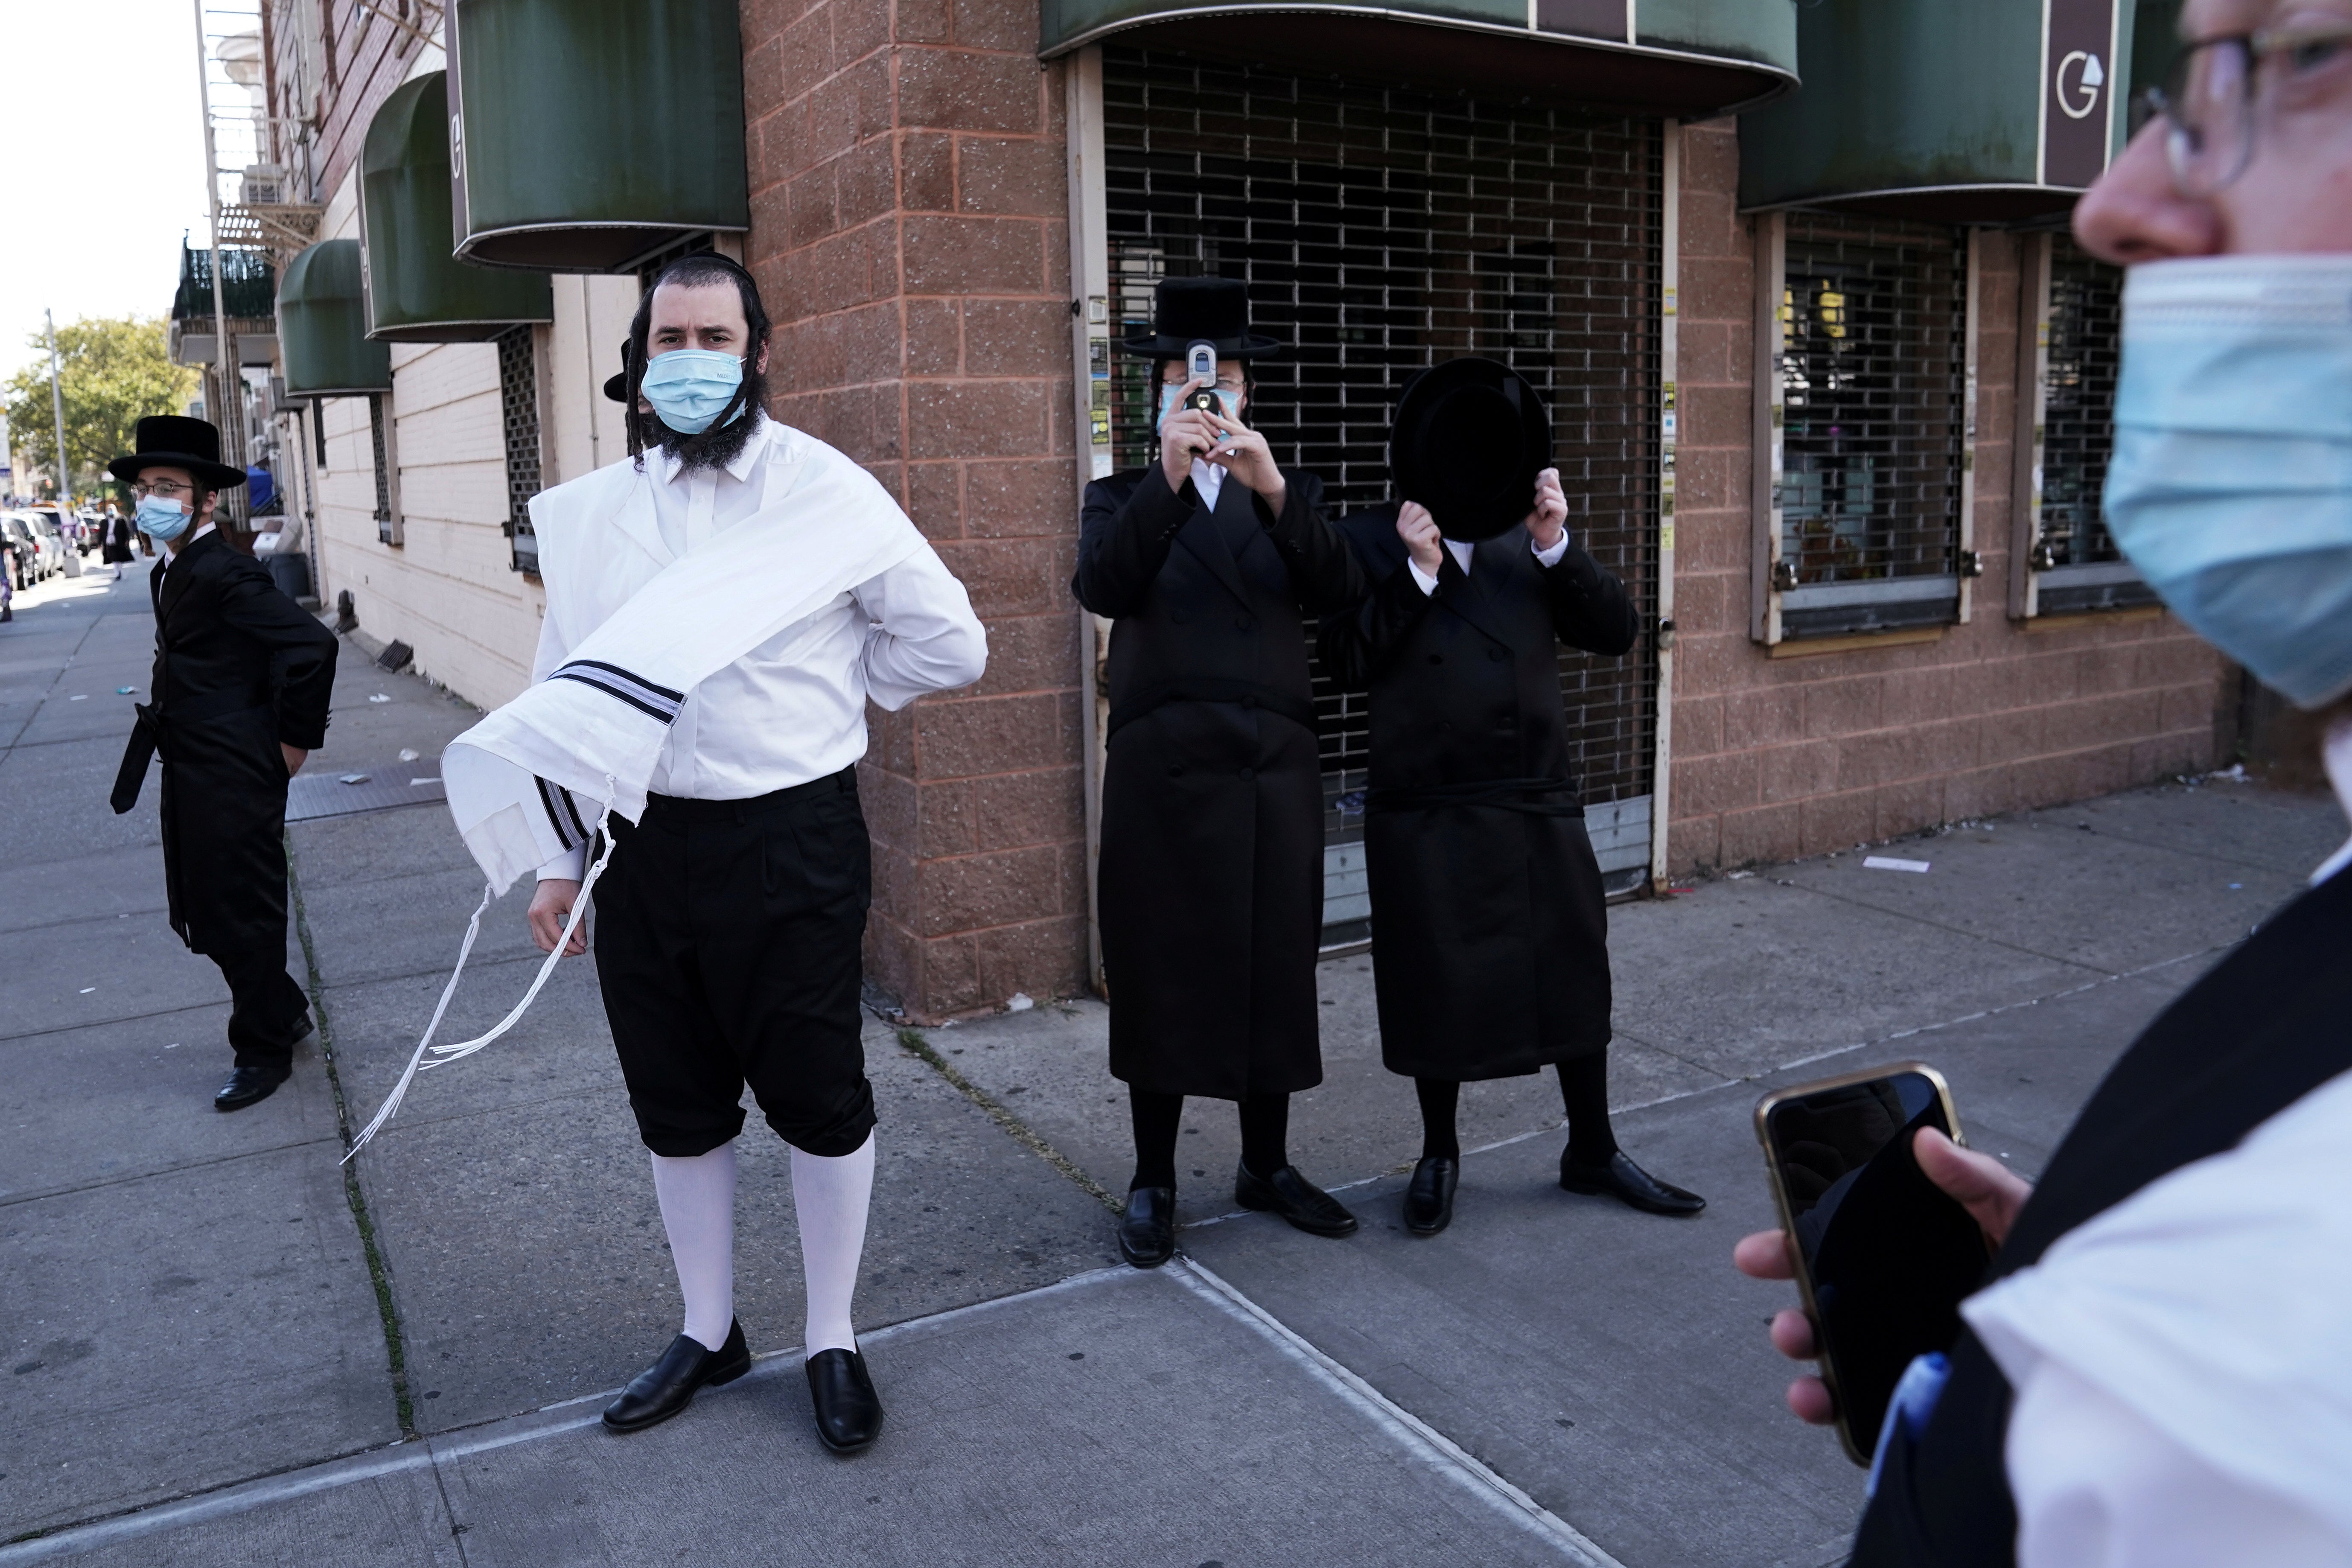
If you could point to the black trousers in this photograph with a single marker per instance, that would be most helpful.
(266, 1007)
(727, 945)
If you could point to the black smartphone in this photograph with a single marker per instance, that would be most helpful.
(1204, 400)
(1883, 1257)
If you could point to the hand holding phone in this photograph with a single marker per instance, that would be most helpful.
(1887, 1227)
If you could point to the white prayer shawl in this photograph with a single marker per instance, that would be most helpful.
(648, 627)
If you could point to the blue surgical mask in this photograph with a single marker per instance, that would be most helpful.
(161, 521)
(2231, 484)
(687, 387)
(1168, 402)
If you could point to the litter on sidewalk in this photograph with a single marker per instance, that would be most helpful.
(1889, 863)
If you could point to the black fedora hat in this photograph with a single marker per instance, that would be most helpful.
(1470, 438)
(1186, 310)
(170, 441)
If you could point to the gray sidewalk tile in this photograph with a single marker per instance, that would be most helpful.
(2244, 823)
(182, 1330)
(101, 885)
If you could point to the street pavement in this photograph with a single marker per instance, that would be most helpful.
(223, 1346)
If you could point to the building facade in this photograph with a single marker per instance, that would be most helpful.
(1830, 383)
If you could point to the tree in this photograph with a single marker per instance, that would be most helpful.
(115, 372)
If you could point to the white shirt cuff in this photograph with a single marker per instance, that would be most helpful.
(1428, 583)
(1550, 557)
(572, 865)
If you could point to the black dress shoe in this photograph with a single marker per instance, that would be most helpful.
(1147, 1232)
(849, 1411)
(668, 1387)
(249, 1086)
(1295, 1198)
(1429, 1196)
(1629, 1184)
(304, 1030)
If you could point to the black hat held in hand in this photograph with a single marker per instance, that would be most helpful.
(1470, 438)
(170, 441)
(1186, 310)
(616, 387)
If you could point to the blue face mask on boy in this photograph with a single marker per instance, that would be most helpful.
(161, 521)
(2231, 485)
(690, 387)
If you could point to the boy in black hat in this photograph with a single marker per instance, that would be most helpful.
(1490, 949)
(1212, 868)
(238, 700)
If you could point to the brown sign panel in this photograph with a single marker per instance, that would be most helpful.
(1584, 18)
(2083, 78)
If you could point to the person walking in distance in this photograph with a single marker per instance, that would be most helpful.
(1211, 878)
(239, 697)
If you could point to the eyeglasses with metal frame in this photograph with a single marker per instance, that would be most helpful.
(2218, 91)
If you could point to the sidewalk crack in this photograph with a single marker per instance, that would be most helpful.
(379, 1271)
(912, 1040)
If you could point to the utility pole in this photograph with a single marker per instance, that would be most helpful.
(58, 407)
(227, 376)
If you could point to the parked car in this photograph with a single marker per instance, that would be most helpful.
(50, 537)
(24, 550)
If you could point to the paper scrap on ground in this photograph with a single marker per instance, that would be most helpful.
(378, 697)
(82, 699)
(1888, 863)
(435, 779)
(409, 753)
(1019, 1003)
(356, 778)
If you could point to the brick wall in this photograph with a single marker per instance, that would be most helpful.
(1776, 758)
(907, 229)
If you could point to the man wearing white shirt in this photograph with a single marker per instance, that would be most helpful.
(2159, 1372)
(731, 915)
(1490, 935)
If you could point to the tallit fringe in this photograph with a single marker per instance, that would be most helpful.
(445, 1054)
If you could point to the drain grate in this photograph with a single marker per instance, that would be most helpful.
(327, 794)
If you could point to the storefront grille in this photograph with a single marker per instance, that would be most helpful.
(519, 412)
(2082, 568)
(1873, 378)
(387, 520)
(1381, 231)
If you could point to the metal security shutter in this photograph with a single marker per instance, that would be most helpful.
(1873, 390)
(2074, 558)
(518, 414)
(1380, 231)
(381, 439)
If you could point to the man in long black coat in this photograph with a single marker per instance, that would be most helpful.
(239, 695)
(1212, 868)
(1490, 952)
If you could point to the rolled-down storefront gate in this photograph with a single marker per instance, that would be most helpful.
(1382, 230)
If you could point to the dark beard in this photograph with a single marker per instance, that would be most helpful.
(721, 444)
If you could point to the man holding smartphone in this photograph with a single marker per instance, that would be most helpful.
(1211, 877)
(243, 677)
(2158, 1374)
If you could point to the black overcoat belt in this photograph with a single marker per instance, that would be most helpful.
(1211, 878)
(240, 668)
(1489, 932)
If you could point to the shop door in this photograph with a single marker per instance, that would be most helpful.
(1382, 230)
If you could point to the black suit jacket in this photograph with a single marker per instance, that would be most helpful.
(225, 631)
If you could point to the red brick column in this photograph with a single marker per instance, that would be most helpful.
(907, 229)
(1776, 758)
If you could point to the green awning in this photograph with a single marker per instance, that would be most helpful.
(1946, 112)
(417, 292)
(590, 133)
(323, 326)
(1656, 56)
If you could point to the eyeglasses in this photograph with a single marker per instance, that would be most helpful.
(167, 489)
(2215, 89)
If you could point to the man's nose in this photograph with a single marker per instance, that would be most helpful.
(2135, 212)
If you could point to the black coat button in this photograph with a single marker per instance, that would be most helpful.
(1175, 770)
(1437, 659)
(1495, 654)
(1177, 616)
(1245, 624)
(1248, 774)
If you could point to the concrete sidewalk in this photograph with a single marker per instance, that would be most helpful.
(224, 1348)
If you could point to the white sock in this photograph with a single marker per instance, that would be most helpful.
(831, 1197)
(698, 1208)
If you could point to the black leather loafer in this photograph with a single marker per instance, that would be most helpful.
(1429, 1196)
(669, 1386)
(849, 1411)
(1147, 1232)
(249, 1086)
(1630, 1184)
(1295, 1198)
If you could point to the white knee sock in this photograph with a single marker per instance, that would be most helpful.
(831, 1197)
(698, 1208)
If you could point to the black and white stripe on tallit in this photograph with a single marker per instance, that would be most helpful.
(655, 702)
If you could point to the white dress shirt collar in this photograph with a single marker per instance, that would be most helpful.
(740, 469)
